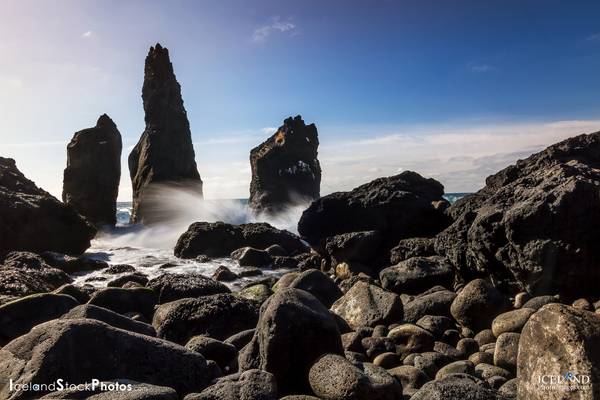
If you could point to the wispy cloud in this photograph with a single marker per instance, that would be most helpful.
(275, 25)
(88, 35)
(594, 37)
(269, 130)
(481, 67)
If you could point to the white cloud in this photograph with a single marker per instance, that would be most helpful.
(275, 25)
(269, 130)
(594, 37)
(88, 35)
(481, 67)
(11, 82)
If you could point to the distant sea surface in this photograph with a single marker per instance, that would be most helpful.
(150, 250)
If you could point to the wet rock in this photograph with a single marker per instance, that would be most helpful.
(171, 287)
(556, 339)
(368, 305)
(163, 158)
(293, 331)
(24, 273)
(417, 274)
(319, 285)
(259, 293)
(19, 316)
(75, 292)
(217, 316)
(477, 304)
(412, 247)
(353, 247)
(91, 179)
(71, 264)
(136, 277)
(219, 239)
(531, 228)
(251, 257)
(224, 274)
(511, 321)
(39, 356)
(122, 300)
(249, 385)
(285, 168)
(333, 377)
(33, 220)
(120, 269)
(110, 318)
(402, 206)
(240, 339)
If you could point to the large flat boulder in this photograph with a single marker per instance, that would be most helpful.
(80, 350)
(218, 239)
(31, 219)
(401, 206)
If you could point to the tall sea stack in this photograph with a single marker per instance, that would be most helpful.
(285, 168)
(91, 179)
(164, 155)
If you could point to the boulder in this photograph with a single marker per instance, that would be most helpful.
(333, 377)
(532, 227)
(412, 247)
(507, 348)
(319, 285)
(19, 316)
(511, 321)
(164, 156)
(33, 220)
(285, 168)
(75, 292)
(23, 273)
(409, 377)
(224, 274)
(353, 247)
(249, 385)
(122, 301)
(212, 349)
(218, 239)
(171, 287)
(410, 338)
(293, 331)
(561, 344)
(70, 264)
(416, 274)
(368, 305)
(91, 179)
(477, 304)
(258, 292)
(103, 352)
(402, 206)
(435, 303)
(251, 257)
(457, 386)
(111, 318)
(136, 277)
(218, 316)
(116, 389)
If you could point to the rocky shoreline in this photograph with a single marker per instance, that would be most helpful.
(391, 292)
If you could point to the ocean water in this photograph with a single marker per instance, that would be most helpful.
(150, 249)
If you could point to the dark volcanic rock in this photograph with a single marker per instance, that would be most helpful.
(172, 287)
(534, 225)
(417, 274)
(218, 316)
(23, 273)
(120, 300)
(91, 179)
(457, 386)
(249, 385)
(33, 220)
(293, 331)
(19, 316)
(319, 285)
(285, 169)
(218, 239)
(401, 206)
(110, 317)
(164, 155)
(80, 350)
(477, 304)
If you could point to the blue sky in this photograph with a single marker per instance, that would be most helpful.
(454, 90)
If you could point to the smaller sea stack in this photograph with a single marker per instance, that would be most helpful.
(285, 168)
(91, 179)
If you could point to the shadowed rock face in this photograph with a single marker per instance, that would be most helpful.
(91, 179)
(164, 153)
(285, 169)
(33, 220)
(534, 226)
